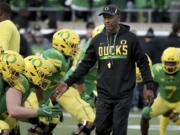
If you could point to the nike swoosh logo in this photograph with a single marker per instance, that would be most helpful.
(47, 112)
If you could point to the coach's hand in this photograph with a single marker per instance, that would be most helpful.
(61, 87)
(49, 111)
(59, 91)
(149, 95)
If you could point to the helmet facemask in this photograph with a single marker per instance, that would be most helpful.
(171, 60)
(43, 82)
(73, 50)
(171, 67)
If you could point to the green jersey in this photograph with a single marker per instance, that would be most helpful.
(62, 65)
(58, 59)
(21, 84)
(169, 84)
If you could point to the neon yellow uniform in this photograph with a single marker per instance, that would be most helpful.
(71, 100)
(169, 96)
(9, 36)
(6, 122)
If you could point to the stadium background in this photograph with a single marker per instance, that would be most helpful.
(43, 17)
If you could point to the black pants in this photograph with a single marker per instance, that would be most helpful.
(112, 116)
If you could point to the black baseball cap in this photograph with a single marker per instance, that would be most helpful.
(110, 10)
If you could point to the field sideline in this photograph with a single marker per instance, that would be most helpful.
(133, 127)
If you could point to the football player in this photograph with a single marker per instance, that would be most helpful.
(167, 75)
(14, 91)
(63, 51)
(88, 92)
(38, 71)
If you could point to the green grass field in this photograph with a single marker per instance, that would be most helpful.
(133, 127)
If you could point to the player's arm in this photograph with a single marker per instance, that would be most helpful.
(16, 110)
(5, 35)
(13, 100)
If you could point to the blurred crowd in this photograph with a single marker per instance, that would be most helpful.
(50, 11)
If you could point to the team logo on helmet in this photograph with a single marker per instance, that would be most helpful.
(38, 70)
(11, 64)
(66, 41)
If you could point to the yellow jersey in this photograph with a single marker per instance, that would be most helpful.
(9, 36)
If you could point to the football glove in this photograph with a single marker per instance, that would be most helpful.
(49, 111)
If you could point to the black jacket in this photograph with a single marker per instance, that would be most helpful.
(118, 81)
(173, 40)
(155, 48)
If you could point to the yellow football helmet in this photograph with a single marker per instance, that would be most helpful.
(178, 49)
(37, 70)
(139, 78)
(170, 60)
(66, 40)
(11, 64)
(97, 30)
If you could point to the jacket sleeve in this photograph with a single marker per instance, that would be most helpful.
(143, 64)
(84, 66)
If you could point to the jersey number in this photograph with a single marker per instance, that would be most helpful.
(172, 90)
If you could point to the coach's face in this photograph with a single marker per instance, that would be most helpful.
(111, 22)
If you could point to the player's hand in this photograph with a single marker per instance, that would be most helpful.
(167, 114)
(49, 111)
(174, 117)
(149, 95)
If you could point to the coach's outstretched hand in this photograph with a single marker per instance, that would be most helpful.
(59, 91)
